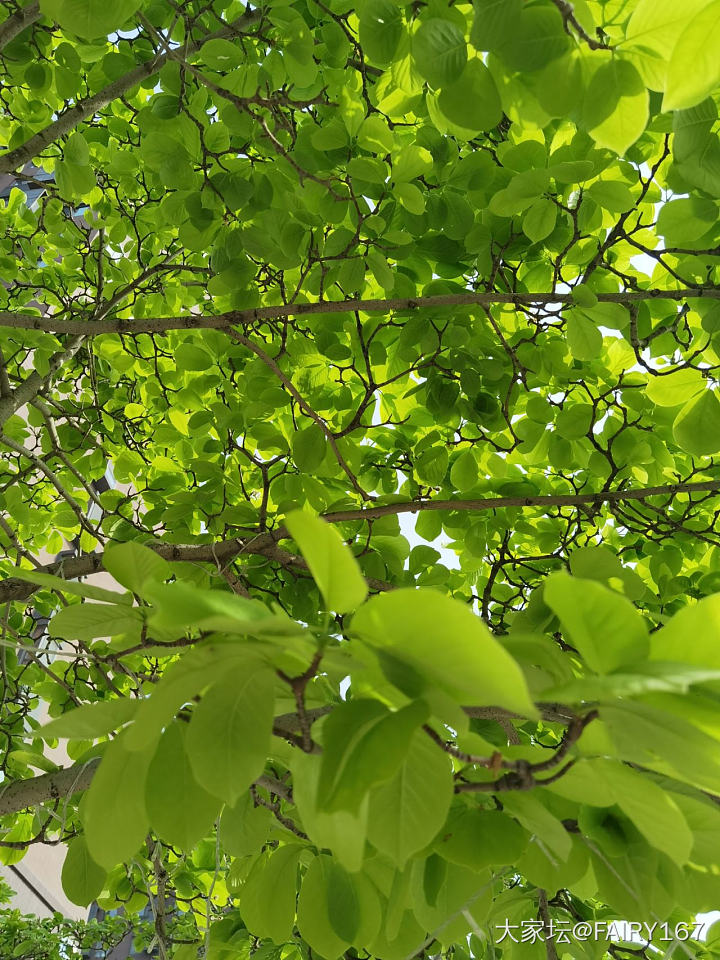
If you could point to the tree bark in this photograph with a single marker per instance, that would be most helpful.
(241, 318)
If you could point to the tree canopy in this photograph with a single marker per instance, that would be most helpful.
(372, 350)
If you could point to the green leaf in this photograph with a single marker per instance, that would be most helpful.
(267, 901)
(652, 810)
(432, 464)
(244, 828)
(82, 878)
(380, 30)
(114, 815)
(228, 739)
(314, 921)
(699, 621)
(529, 809)
(89, 18)
(134, 566)
(445, 646)
(190, 356)
(341, 831)
(331, 563)
(74, 587)
(407, 811)
(686, 220)
(464, 471)
(675, 388)
(439, 51)
(76, 150)
(613, 196)
(616, 106)
(604, 627)
(309, 448)
(685, 87)
(91, 720)
(495, 23)
(179, 606)
(539, 220)
(343, 903)
(179, 809)
(697, 427)
(481, 838)
(472, 102)
(363, 744)
(412, 161)
(583, 337)
(182, 681)
(85, 621)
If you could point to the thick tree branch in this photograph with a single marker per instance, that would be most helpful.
(265, 544)
(20, 794)
(16, 23)
(193, 321)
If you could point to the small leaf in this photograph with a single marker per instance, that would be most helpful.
(331, 563)
(309, 448)
(539, 220)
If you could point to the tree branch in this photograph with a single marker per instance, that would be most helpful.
(266, 544)
(20, 794)
(16, 23)
(193, 321)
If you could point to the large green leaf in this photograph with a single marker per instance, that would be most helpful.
(229, 735)
(363, 744)
(82, 878)
(331, 563)
(439, 51)
(114, 814)
(603, 626)
(695, 45)
(134, 566)
(267, 902)
(91, 720)
(180, 810)
(697, 427)
(407, 811)
(380, 29)
(444, 645)
(615, 111)
(89, 18)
